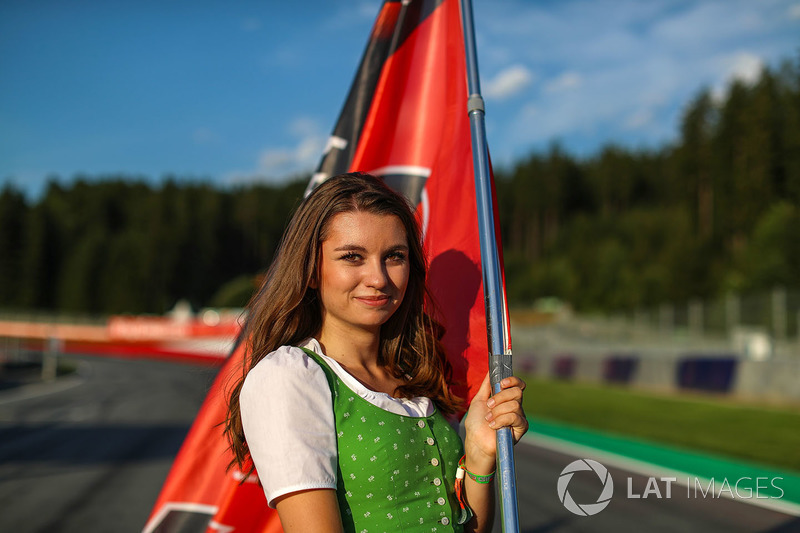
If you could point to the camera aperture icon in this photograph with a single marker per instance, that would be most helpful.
(586, 509)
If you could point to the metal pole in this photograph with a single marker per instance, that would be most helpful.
(494, 294)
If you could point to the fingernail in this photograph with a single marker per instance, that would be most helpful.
(491, 423)
(490, 403)
(488, 416)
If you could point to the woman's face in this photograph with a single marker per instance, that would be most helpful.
(363, 271)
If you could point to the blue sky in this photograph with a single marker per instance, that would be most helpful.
(239, 91)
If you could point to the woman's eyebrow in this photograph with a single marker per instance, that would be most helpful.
(348, 247)
(359, 248)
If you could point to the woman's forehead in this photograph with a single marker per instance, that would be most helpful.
(365, 227)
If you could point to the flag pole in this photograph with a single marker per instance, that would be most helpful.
(493, 290)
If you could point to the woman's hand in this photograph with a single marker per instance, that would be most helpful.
(486, 415)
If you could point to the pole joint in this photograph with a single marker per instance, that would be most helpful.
(475, 103)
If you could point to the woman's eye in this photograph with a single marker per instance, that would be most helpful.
(396, 256)
(351, 256)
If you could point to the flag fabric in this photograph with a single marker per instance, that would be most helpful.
(405, 120)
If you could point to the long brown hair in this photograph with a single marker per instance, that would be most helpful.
(286, 310)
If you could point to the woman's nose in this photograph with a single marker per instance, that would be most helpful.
(376, 275)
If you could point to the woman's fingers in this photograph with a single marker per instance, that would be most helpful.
(512, 381)
(514, 420)
(500, 413)
(505, 415)
(503, 396)
(505, 407)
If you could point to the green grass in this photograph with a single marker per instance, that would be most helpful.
(764, 434)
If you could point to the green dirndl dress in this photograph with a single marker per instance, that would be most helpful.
(395, 472)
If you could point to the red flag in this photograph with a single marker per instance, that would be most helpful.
(405, 119)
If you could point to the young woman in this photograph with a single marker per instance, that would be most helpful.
(343, 400)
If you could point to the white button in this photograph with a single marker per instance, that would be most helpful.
(437, 481)
(441, 501)
(430, 441)
(445, 521)
(435, 461)
(421, 424)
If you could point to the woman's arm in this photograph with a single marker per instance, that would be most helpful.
(486, 415)
(309, 511)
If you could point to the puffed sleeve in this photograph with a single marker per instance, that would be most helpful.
(288, 421)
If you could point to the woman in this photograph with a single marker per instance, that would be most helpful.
(344, 393)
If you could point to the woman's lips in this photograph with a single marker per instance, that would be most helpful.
(373, 301)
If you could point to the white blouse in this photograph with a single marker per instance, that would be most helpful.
(288, 420)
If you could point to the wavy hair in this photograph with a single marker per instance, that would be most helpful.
(286, 310)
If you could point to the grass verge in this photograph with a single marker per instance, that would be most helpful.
(764, 434)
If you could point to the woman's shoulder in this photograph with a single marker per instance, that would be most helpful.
(284, 356)
(290, 363)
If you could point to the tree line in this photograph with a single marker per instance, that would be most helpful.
(717, 210)
(114, 244)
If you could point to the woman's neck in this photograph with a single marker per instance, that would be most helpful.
(358, 355)
(353, 348)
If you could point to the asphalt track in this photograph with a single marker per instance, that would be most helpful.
(89, 454)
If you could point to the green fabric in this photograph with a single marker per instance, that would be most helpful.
(396, 473)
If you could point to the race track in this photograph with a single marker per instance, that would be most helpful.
(90, 452)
